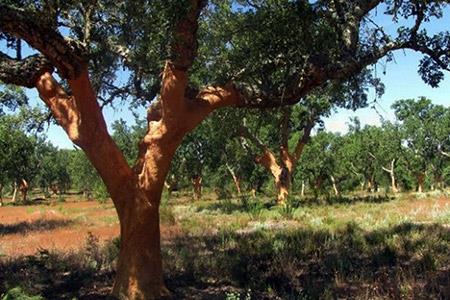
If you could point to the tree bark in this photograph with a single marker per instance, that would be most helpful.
(283, 168)
(23, 188)
(14, 192)
(302, 192)
(139, 268)
(333, 182)
(391, 173)
(420, 178)
(236, 180)
(197, 185)
(281, 174)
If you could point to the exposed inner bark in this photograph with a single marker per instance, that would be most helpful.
(23, 188)
(282, 168)
(391, 173)
(420, 179)
(197, 184)
(236, 179)
(333, 182)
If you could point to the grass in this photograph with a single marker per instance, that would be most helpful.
(349, 247)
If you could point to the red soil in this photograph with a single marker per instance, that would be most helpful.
(63, 226)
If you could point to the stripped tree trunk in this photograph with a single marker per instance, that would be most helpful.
(282, 167)
(197, 185)
(333, 182)
(420, 179)
(391, 173)
(236, 180)
(14, 192)
(23, 188)
(302, 192)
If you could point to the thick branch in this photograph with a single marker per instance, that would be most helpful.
(80, 116)
(184, 47)
(67, 56)
(444, 153)
(23, 72)
(363, 7)
(303, 140)
(284, 127)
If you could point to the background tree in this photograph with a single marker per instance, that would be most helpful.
(418, 120)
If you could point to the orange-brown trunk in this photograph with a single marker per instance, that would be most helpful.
(283, 185)
(139, 268)
(23, 188)
(197, 184)
(237, 183)
(420, 182)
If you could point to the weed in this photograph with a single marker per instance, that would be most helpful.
(18, 294)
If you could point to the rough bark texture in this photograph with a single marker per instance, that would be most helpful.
(283, 167)
(391, 173)
(420, 179)
(14, 196)
(333, 182)
(236, 179)
(23, 188)
(197, 185)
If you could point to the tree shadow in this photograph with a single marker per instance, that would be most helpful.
(404, 261)
(342, 199)
(87, 274)
(245, 204)
(34, 226)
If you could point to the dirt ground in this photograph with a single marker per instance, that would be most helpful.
(54, 226)
(61, 226)
(65, 226)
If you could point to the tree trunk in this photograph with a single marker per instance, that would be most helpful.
(139, 267)
(1, 195)
(420, 182)
(393, 183)
(171, 184)
(23, 188)
(283, 185)
(335, 189)
(14, 192)
(197, 184)
(236, 180)
(391, 172)
(54, 188)
(302, 192)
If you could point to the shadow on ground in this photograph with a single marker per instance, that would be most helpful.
(246, 204)
(33, 226)
(404, 261)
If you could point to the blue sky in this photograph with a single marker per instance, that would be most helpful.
(401, 82)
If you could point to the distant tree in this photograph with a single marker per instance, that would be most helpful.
(17, 155)
(53, 172)
(420, 146)
(83, 175)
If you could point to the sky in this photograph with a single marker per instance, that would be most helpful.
(401, 81)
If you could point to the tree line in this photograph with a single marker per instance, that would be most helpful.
(408, 154)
